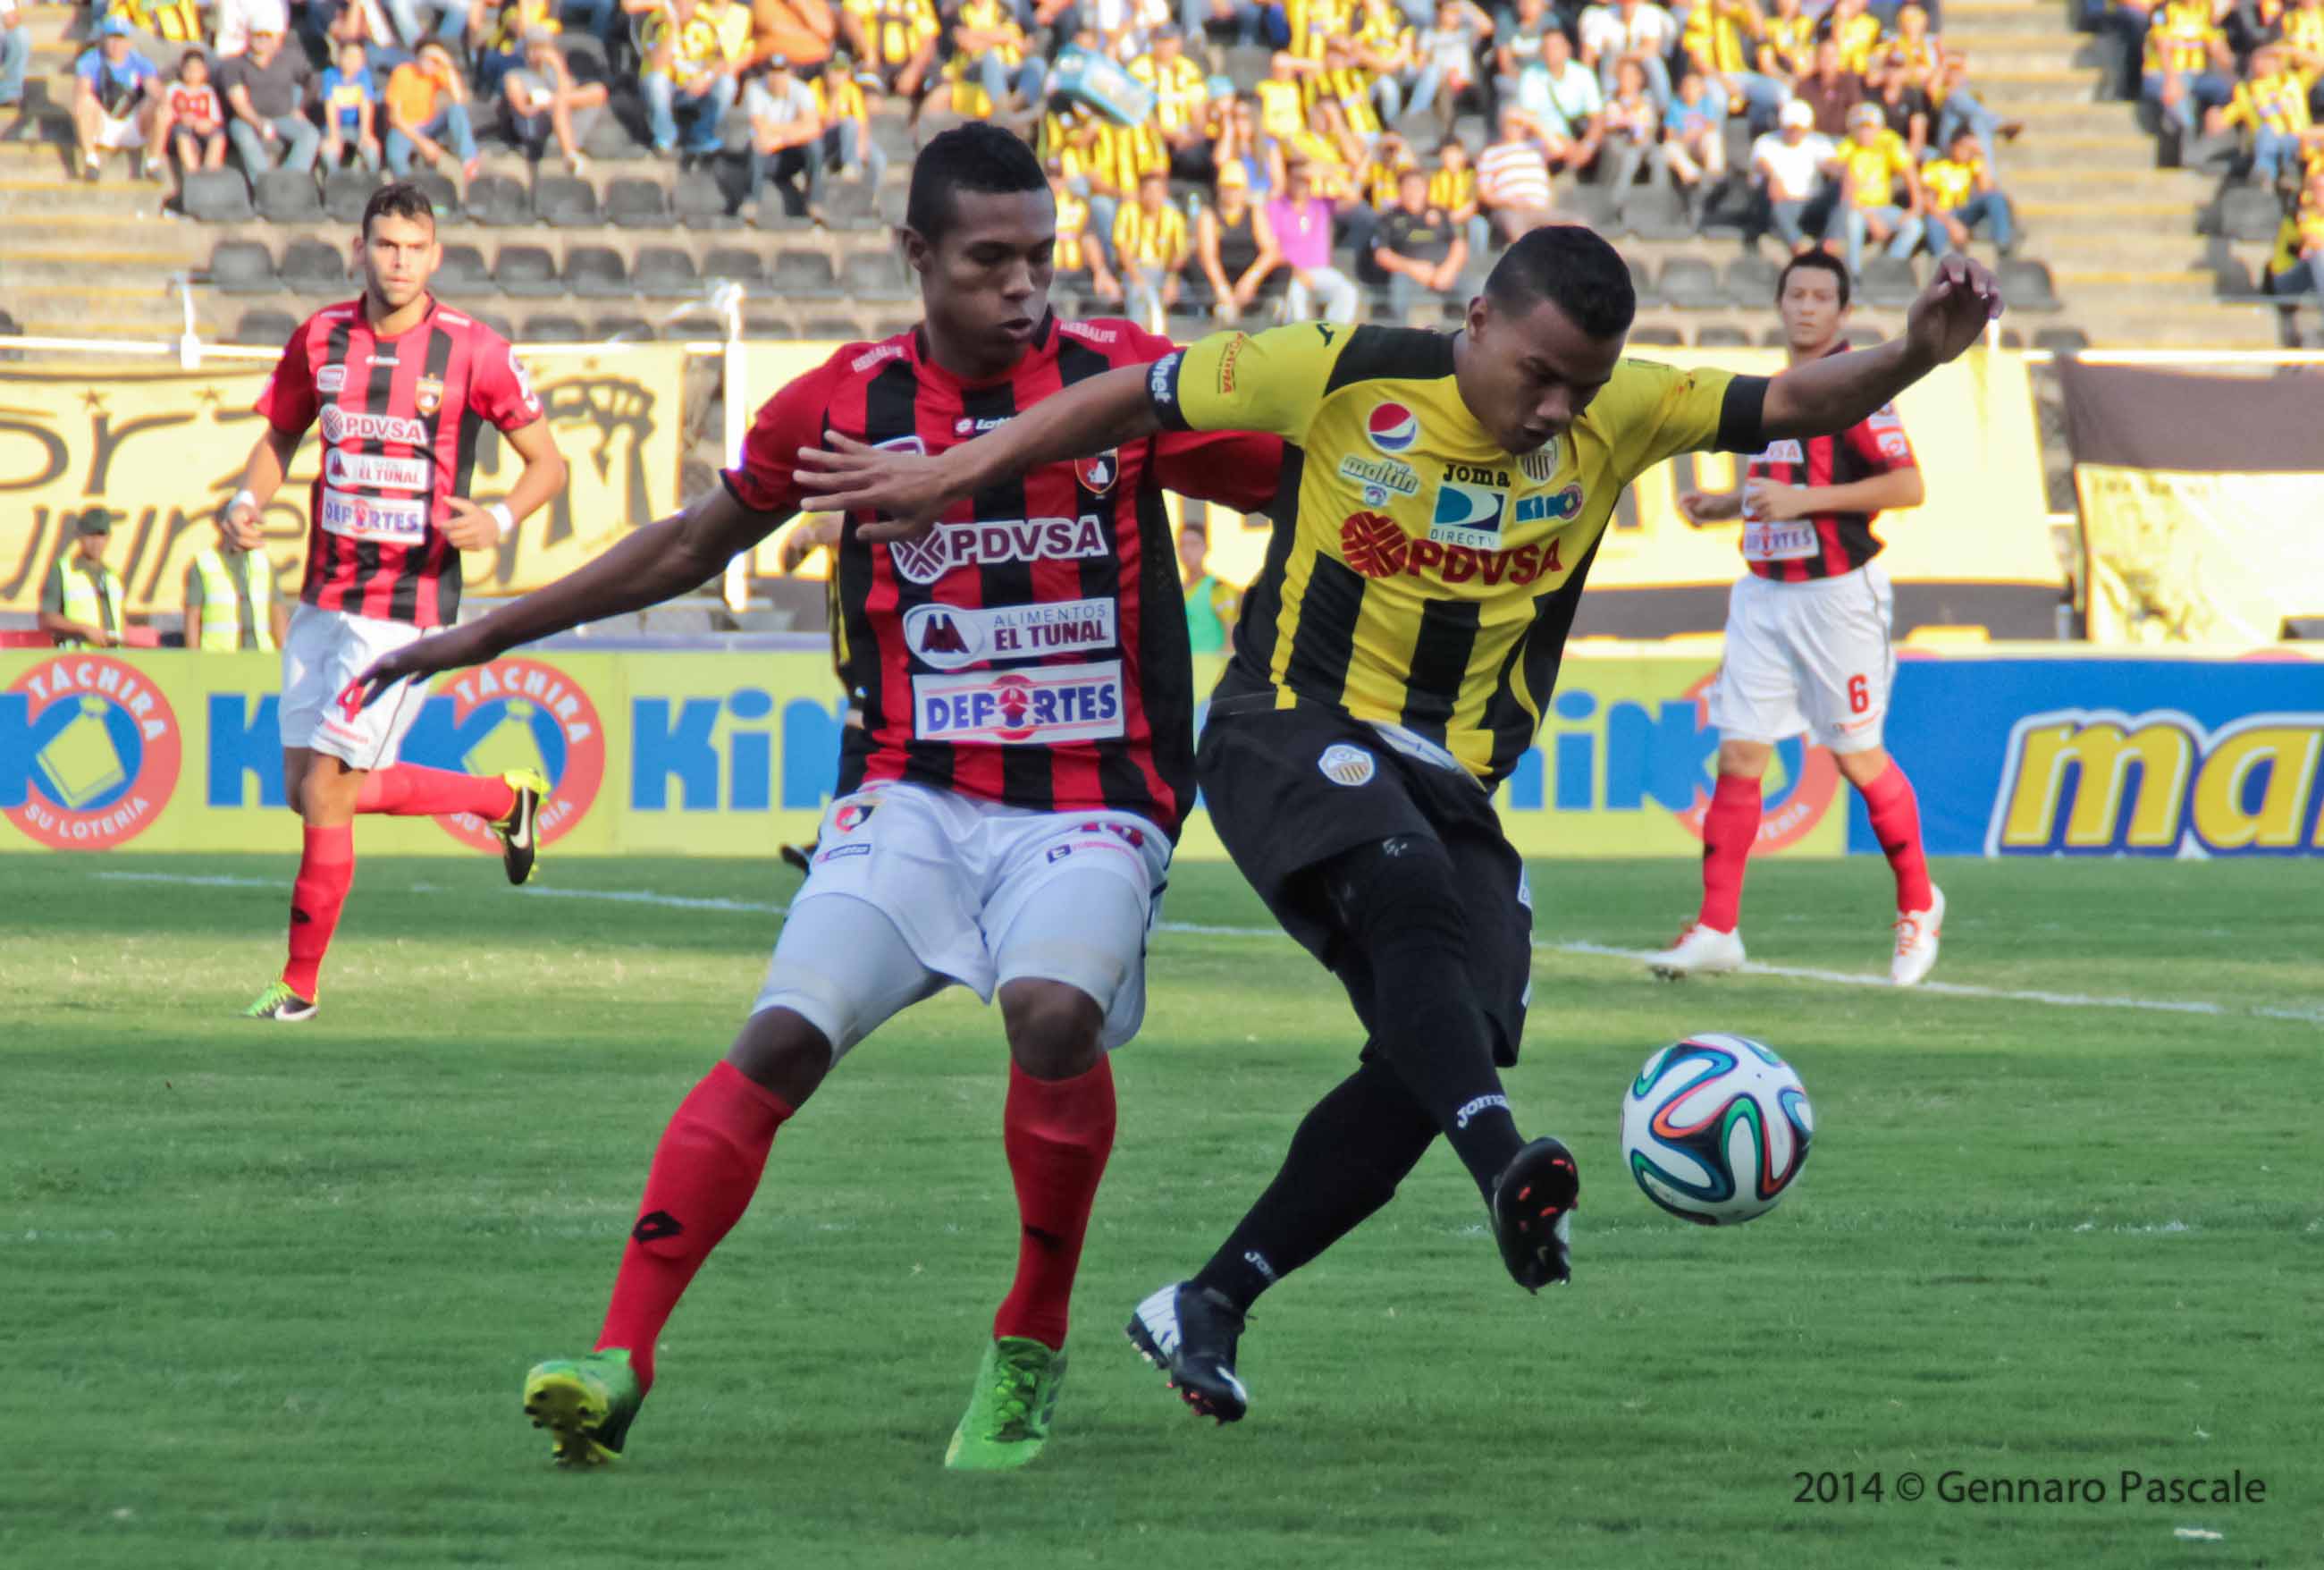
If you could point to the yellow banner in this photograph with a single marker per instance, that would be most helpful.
(2178, 558)
(164, 450)
(732, 755)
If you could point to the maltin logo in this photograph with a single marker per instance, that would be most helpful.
(516, 714)
(89, 752)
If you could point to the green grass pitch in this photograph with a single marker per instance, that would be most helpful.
(267, 1294)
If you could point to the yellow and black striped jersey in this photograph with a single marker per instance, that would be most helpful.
(1419, 574)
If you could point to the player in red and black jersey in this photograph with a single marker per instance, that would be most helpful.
(402, 388)
(1807, 643)
(1007, 808)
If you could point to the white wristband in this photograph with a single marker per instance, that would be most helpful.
(503, 517)
(243, 498)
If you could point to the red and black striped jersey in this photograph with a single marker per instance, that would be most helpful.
(400, 418)
(1031, 649)
(1824, 544)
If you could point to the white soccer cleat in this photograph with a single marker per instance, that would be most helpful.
(1699, 951)
(1916, 941)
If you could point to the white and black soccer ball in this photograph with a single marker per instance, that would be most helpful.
(1715, 1128)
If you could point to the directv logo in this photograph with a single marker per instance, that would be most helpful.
(1466, 515)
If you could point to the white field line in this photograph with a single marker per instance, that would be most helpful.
(1201, 930)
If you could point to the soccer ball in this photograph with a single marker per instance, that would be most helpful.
(1715, 1128)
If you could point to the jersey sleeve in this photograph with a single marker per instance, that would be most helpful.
(1880, 442)
(1270, 381)
(287, 399)
(1653, 411)
(1233, 469)
(766, 479)
(498, 389)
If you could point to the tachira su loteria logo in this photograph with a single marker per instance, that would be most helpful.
(89, 752)
(515, 714)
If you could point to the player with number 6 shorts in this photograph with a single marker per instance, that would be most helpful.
(1807, 643)
(401, 387)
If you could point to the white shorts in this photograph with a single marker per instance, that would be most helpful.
(913, 889)
(324, 653)
(1809, 657)
(113, 135)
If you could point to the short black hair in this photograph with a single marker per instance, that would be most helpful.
(1815, 261)
(398, 199)
(1571, 266)
(977, 156)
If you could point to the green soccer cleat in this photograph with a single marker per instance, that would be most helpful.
(1008, 1416)
(279, 1003)
(586, 1404)
(519, 831)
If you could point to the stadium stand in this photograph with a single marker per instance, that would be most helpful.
(2132, 233)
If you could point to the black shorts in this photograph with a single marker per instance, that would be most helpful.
(1289, 790)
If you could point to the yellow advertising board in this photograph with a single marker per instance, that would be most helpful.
(730, 755)
(164, 450)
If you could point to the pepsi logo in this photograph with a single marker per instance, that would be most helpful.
(1392, 427)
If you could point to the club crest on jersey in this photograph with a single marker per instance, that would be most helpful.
(1098, 474)
(1345, 764)
(1539, 466)
(428, 394)
(1392, 427)
(851, 815)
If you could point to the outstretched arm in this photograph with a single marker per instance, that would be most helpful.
(1824, 396)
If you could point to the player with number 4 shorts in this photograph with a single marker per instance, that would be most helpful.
(1807, 643)
(399, 386)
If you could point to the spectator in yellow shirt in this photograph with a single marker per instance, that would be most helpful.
(1149, 242)
(847, 139)
(687, 78)
(1181, 100)
(2272, 104)
(1961, 195)
(2189, 74)
(894, 38)
(1721, 41)
(2297, 267)
(1871, 161)
(1388, 46)
(1079, 250)
(989, 42)
(1453, 188)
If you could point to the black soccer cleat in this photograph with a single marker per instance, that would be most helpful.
(1190, 1332)
(1533, 1213)
(519, 832)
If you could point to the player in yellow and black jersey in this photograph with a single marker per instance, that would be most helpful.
(1441, 501)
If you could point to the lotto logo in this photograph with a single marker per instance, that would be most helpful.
(1392, 427)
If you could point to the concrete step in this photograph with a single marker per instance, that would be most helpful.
(2185, 324)
(2042, 148)
(2131, 221)
(1992, 53)
(2007, 89)
(2105, 248)
(2107, 184)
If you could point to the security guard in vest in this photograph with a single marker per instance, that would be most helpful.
(230, 599)
(83, 601)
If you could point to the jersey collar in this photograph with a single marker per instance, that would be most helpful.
(1039, 346)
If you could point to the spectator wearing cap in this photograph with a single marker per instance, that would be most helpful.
(1794, 170)
(1830, 90)
(846, 114)
(240, 21)
(2272, 104)
(427, 109)
(1962, 194)
(350, 101)
(1150, 247)
(117, 97)
(786, 137)
(1235, 244)
(685, 79)
(1513, 175)
(542, 103)
(82, 600)
(268, 88)
(1873, 161)
(1302, 225)
(1419, 247)
(1080, 249)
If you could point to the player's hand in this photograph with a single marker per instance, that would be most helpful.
(907, 490)
(1951, 313)
(243, 526)
(1690, 506)
(1773, 502)
(470, 527)
(449, 649)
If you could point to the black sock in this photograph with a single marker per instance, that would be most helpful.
(1351, 1150)
(1404, 962)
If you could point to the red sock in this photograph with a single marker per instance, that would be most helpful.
(326, 866)
(1728, 828)
(704, 1171)
(409, 791)
(1895, 814)
(1058, 1133)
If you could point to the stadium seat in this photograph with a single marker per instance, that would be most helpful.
(892, 326)
(1691, 283)
(1751, 281)
(314, 267)
(265, 328)
(463, 272)
(764, 327)
(664, 271)
(497, 201)
(850, 204)
(2248, 213)
(732, 263)
(803, 273)
(216, 196)
(872, 275)
(597, 272)
(563, 202)
(632, 203)
(610, 140)
(1660, 338)
(289, 196)
(1656, 212)
(1594, 205)
(242, 267)
(2027, 286)
(442, 195)
(585, 56)
(497, 322)
(627, 330)
(1721, 336)
(1642, 280)
(2061, 340)
(553, 330)
(345, 192)
(526, 270)
(699, 202)
(1889, 283)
